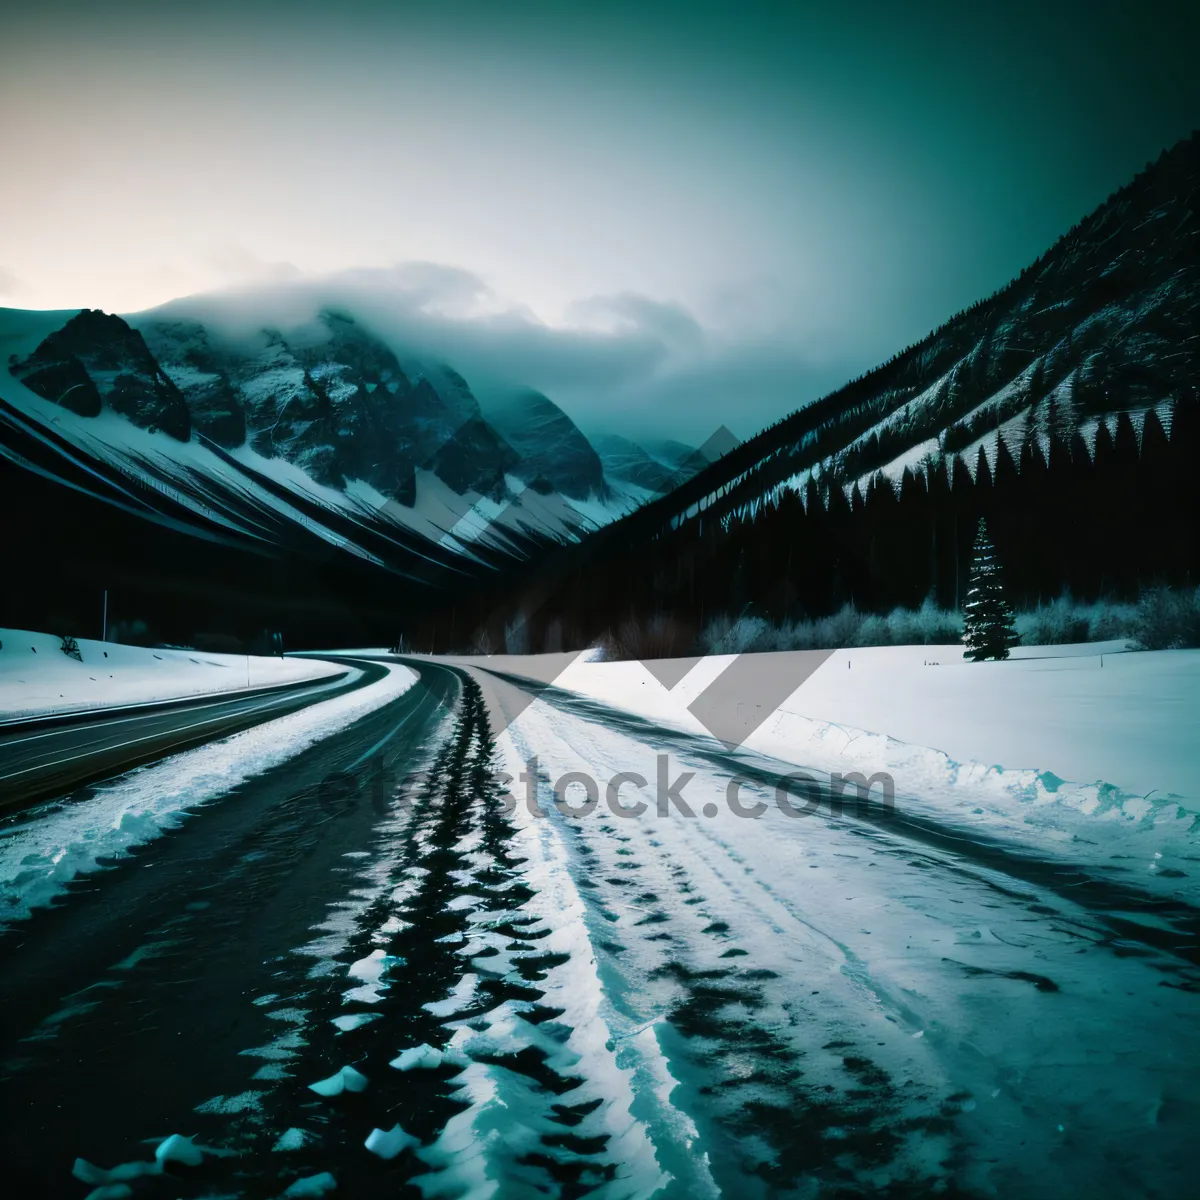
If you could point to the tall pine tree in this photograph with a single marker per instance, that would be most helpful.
(988, 629)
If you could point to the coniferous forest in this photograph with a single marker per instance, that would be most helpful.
(1100, 520)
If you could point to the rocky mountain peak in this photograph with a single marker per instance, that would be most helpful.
(549, 443)
(97, 360)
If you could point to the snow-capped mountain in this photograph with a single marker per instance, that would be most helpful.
(624, 459)
(662, 464)
(325, 414)
(549, 442)
(333, 399)
(97, 361)
(317, 444)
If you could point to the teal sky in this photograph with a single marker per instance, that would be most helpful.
(668, 216)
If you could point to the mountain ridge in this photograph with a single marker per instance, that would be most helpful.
(330, 397)
(991, 379)
(303, 447)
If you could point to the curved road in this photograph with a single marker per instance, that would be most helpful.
(120, 1005)
(362, 973)
(47, 756)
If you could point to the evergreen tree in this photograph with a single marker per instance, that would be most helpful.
(988, 629)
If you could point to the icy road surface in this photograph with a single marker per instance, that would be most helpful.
(361, 973)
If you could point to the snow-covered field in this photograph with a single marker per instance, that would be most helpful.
(868, 952)
(37, 678)
(1088, 751)
(1086, 712)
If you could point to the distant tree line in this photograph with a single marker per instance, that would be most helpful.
(1108, 520)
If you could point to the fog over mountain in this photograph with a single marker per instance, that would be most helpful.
(623, 363)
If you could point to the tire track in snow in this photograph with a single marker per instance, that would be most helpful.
(1022, 967)
(1167, 923)
(779, 1109)
(461, 941)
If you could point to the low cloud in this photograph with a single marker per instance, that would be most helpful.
(628, 312)
(243, 267)
(623, 363)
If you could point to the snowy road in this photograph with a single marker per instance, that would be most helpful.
(362, 970)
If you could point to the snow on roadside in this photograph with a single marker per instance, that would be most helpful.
(37, 678)
(48, 846)
(634, 948)
(1156, 834)
(876, 948)
(1061, 744)
(1085, 712)
(599, 1049)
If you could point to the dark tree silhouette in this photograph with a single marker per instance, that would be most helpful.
(988, 628)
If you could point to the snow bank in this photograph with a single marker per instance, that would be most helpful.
(997, 1011)
(1089, 713)
(1089, 748)
(37, 678)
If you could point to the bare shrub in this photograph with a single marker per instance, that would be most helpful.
(1058, 623)
(933, 626)
(738, 636)
(841, 629)
(1167, 620)
(1065, 620)
(1108, 622)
